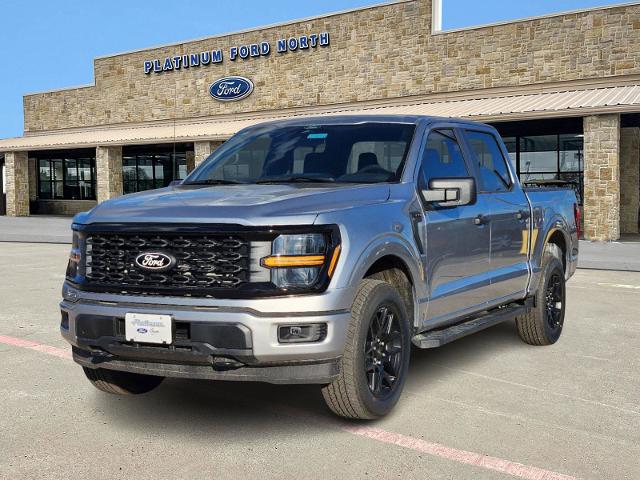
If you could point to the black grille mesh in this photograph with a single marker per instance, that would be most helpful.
(212, 261)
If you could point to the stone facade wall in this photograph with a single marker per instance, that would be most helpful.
(602, 177)
(203, 150)
(109, 172)
(17, 174)
(375, 53)
(629, 179)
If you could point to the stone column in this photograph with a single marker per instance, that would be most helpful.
(17, 172)
(629, 179)
(109, 172)
(33, 179)
(203, 150)
(602, 177)
(191, 161)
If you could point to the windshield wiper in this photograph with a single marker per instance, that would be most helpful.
(214, 181)
(296, 179)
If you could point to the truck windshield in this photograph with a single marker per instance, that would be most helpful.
(359, 153)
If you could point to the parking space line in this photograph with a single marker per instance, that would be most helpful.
(434, 449)
(39, 347)
(541, 390)
(619, 285)
(461, 456)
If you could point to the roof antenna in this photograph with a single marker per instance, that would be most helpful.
(175, 110)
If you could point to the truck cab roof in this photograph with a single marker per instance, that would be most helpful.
(367, 118)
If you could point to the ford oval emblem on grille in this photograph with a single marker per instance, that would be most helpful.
(155, 261)
(229, 89)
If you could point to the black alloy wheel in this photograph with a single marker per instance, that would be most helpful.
(383, 352)
(375, 362)
(543, 323)
(554, 298)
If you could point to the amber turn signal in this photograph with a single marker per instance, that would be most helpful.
(292, 261)
(334, 260)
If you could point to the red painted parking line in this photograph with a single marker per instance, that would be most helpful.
(461, 456)
(39, 347)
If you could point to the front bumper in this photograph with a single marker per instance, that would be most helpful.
(215, 342)
(303, 373)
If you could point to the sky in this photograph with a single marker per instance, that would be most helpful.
(50, 44)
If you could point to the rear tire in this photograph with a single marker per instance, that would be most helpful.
(376, 357)
(121, 383)
(543, 324)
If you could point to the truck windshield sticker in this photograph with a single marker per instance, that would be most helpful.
(317, 136)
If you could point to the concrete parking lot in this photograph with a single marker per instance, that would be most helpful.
(488, 406)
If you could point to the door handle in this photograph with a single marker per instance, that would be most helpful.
(480, 220)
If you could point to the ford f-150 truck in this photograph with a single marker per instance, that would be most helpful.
(318, 251)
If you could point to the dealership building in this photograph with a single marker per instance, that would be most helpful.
(562, 89)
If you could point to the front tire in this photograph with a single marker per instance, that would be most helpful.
(121, 383)
(374, 366)
(543, 324)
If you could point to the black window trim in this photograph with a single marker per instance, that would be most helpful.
(438, 127)
(62, 156)
(458, 138)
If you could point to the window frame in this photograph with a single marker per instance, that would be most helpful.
(456, 137)
(154, 155)
(424, 140)
(52, 158)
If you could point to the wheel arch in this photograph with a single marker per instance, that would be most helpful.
(557, 237)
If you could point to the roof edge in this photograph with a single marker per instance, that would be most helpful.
(535, 17)
(473, 94)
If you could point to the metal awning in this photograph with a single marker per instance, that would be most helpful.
(575, 102)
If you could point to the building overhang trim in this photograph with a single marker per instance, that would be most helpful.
(491, 105)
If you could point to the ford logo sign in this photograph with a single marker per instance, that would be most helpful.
(155, 261)
(142, 330)
(230, 89)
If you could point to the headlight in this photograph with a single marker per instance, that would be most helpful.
(75, 257)
(297, 260)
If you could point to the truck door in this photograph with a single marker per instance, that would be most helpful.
(508, 214)
(457, 259)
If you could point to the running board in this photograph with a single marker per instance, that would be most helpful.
(437, 338)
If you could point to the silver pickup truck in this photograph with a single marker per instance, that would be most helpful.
(317, 251)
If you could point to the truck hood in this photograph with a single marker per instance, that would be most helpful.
(245, 205)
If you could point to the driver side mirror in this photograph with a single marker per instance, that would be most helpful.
(451, 192)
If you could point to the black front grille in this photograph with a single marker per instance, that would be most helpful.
(203, 262)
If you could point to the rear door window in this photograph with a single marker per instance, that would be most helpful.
(492, 166)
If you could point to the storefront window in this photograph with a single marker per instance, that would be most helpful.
(148, 168)
(66, 175)
(538, 155)
(512, 147)
(549, 157)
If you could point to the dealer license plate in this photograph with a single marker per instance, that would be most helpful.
(143, 328)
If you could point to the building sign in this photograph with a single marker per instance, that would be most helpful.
(243, 52)
(230, 89)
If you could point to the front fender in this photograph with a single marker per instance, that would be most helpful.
(385, 246)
